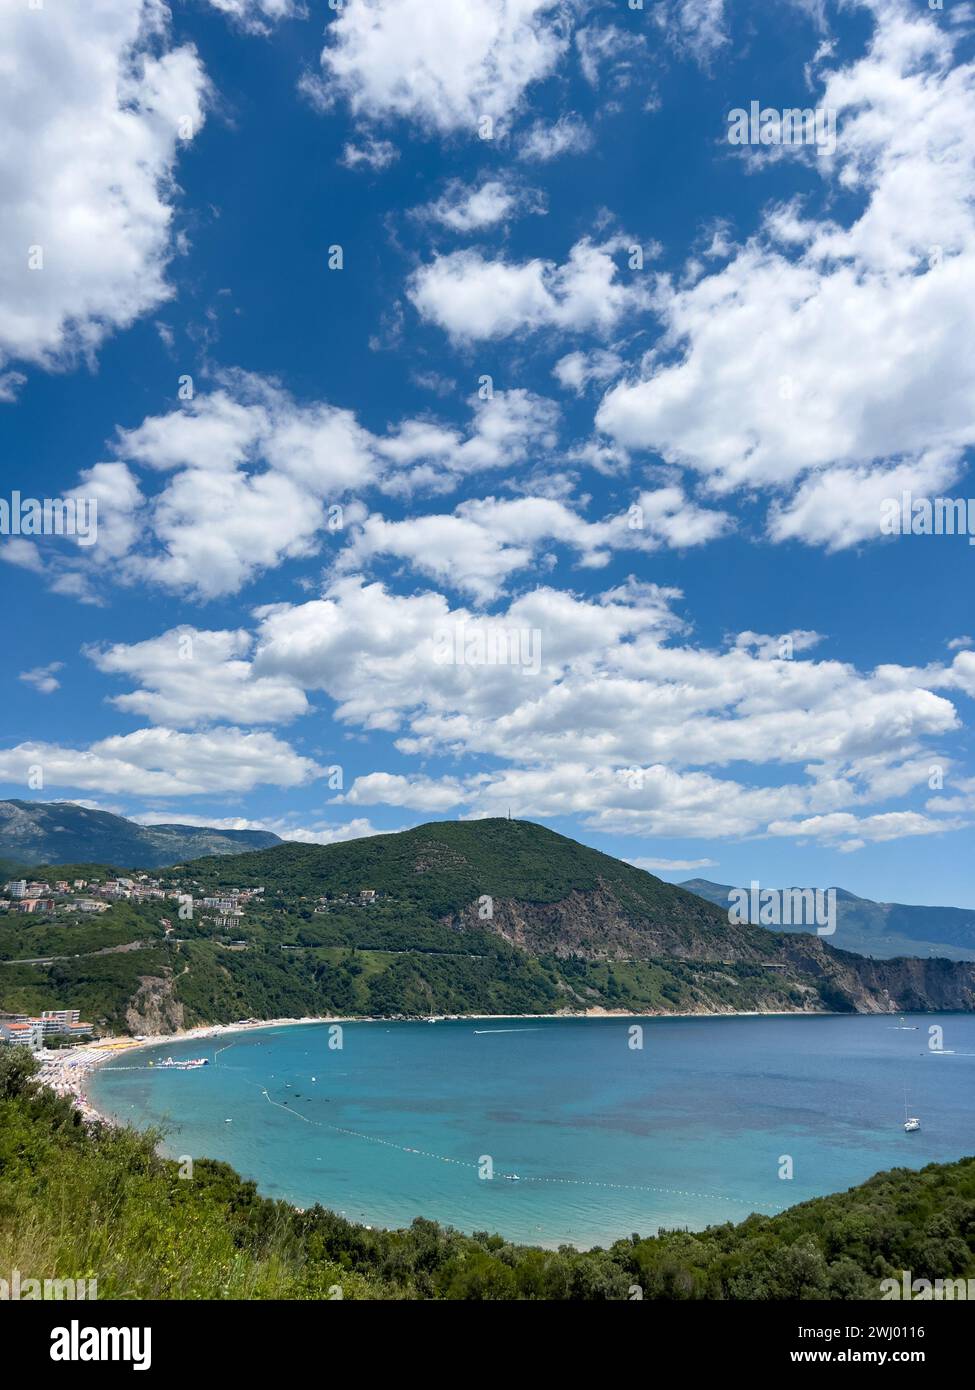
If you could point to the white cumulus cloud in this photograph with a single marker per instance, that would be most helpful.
(95, 103)
(440, 64)
(830, 361)
(472, 297)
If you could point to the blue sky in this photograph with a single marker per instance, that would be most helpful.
(669, 491)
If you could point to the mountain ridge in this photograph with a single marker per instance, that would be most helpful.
(35, 833)
(882, 930)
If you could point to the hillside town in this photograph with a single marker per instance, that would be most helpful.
(96, 896)
(64, 896)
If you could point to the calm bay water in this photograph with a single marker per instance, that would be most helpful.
(605, 1140)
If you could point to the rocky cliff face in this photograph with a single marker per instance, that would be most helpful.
(154, 1009)
(904, 984)
(803, 971)
(605, 923)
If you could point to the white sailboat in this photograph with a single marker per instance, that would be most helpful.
(911, 1122)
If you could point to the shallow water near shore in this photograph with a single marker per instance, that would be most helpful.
(605, 1139)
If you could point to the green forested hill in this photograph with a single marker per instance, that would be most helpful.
(74, 1202)
(445, 864)
(442, 871)
(487, 916)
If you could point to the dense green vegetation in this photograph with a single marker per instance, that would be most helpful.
(42, 935)
(99, 985)
(439, 868)
(100, 1203)
(569, 929)
(213, 982)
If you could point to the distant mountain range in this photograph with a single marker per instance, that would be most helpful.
(59, 832)
(880, 930)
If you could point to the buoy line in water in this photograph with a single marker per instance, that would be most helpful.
(468, 1163)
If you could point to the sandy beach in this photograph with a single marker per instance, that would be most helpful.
(67, 1070)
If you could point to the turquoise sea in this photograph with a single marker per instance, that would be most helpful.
(605, 1139)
